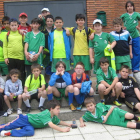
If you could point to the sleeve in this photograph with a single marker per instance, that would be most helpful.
(134, 82)
(42, 80)
(111, 38)
(91, 44)
(42, 43)
(46, 118)
(70, 30)
(49, 42)
(2, 83)
(5, 50)
(27, 82)
(27, 38)
(67, 78)
(91, 31)
(20, 90)
(113, 73)
(99, 78)
(6, 91)
(53, 79)
(85, 117)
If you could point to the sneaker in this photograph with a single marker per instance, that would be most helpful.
(72, 107)
(138, 119)
(19, 111)
(41, 108)
(79, 107)
(10, 111)
(28, 109)
(117, 103)
(103, 102)
(5, 133)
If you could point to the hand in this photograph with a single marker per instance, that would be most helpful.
(12, 95)
(62, 72)
(106, 91)
(6, 61)
(82, 124)
(69, 125)
(35, 57)
(105, 119)
(131, 55)
(92, 60)
(122, 95)
(27, 55)
(91, 37)
(40, 16)
(57, 73)
(21, 32)
(124, 28)
(67, 129)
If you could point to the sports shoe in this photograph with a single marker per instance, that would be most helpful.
(5, 133)
(138, 119)
(117, 103)
(27, 110)
(19, 111)
(72, 107)
(10, 111)
(103, 102)
(79, 107)
(41, 108)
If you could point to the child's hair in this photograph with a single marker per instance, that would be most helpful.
(5, 18)
(13, 20)
(89, 100)
(58, 18)
(132, 4)
(52, 104)
(35, 66)
(117, 20)
(125, 66)
(12, 72)
(79, 16)
(60, 62)
(35, 20)
(103, 60)
(49, 16)
(80, 63)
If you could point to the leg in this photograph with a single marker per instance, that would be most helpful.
(101, 88)
(7, 101)
(118, 89)
(26, 100)
(69, 91)
(19, 101)
(137, 106)
(12, 64)
(77, 94)
(131, 125)
(42, 95)
(91, 93)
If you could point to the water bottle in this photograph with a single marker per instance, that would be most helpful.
(31, 92)
(74, 125)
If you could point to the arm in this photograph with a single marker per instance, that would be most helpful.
(130, 48)
(6, 90)
(25, 51)
(20, 89)
(82, 124)
(25, 89)
(105, 83)
(53, 126)
(67, 78)
(42, 87)
(37, 55)
(137, 92)
(91, 54)
(113, 44)
(64, 123)
(67, 32)
(78, 85)
(53, 79)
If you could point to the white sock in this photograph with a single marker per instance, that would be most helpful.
(27, 103)
(42, 100)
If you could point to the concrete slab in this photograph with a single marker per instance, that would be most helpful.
(73, 137)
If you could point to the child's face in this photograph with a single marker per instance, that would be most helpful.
(60, 68)
(45, 13)
(59, 24)
(79, 69)
(130, 8)
(91, 107)
(56, 110)
(124, 73)
(14, 77)
(13, 26)
(80, 22)
(98, 27)
(6, 24)
(104, 67)
(35, 26)
(36, 72)
(23, 19)
(49, 22)
(117, 27)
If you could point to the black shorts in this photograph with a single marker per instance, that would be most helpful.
(108, 98)
(34, 96)
(15, 99)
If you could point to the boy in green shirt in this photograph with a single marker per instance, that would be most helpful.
(99, 43)
(107, 81)
(108, 115)
(34, 42)
(29, 122)
(34, 82)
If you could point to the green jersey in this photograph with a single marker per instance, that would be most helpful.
(130, 22)
(35, 41)
(117, 117)
(111, 74)
(42, 119)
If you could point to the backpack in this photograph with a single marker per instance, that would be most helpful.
(87, 32)
(32, 77)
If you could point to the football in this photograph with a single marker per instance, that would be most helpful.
(31, 55)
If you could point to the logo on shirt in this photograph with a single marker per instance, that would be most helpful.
(105, 41)
(134, 21)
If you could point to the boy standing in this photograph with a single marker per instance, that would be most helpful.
(5, 24)
(123, 48)
(35, 81)
(29, 122)
(59, 45)
(99, 43)
(78, 77)
(34, 41)
(130, 90)
(108, 115)
(107, 81)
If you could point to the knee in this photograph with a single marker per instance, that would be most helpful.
(24, 95)
(101, 87)
(5, 97)
(19, 97)
(76, 90)
(70, 88)
(49, 89)
(118, 85)
(91, 91)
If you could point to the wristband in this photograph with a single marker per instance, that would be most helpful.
(38, 53)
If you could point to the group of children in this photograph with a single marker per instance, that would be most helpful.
(51, 45)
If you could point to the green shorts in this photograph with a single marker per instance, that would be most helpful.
(55, 60)
(3, 68)
(123, 60)
(84, 59)
(62, 94)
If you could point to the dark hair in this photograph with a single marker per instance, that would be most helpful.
(52, 104)
(13, 20)
(132, 4)
(58, 18)
(49, 16)
(89, 100)
(79, 16)
(103, 60)
(12, 72)
(80, 63)
(125, 66)
(5, 18)
(35, 20)
(34, 66)
(117, 20)
(60, 62)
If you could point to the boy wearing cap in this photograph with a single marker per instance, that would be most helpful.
(99, 43)
(24, 27)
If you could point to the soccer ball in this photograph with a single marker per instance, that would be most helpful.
(31, 55)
